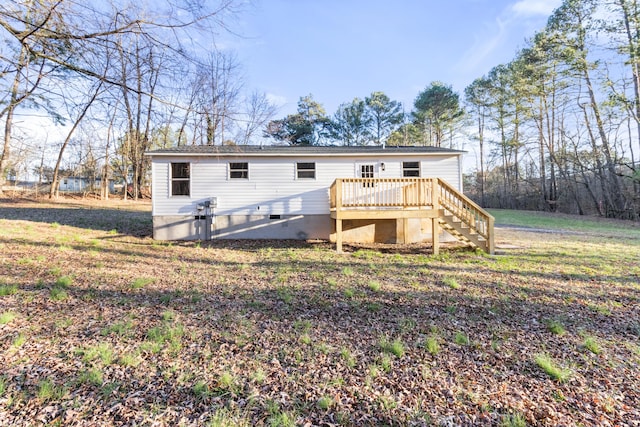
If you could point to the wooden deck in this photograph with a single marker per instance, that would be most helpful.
(404, 198)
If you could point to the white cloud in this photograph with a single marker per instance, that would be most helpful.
(523, 16)
(484, 46)
(535, 7)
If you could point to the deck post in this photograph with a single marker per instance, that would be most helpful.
(435, 221)
(491, 245)
(435, 233)
(338, 219)
(405, 230)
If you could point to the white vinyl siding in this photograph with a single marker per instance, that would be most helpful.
(273, 187)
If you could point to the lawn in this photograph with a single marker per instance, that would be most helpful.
(101, 325)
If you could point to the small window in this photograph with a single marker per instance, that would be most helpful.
(239, 170)
(366, 171)
(306, 170)
(411, 169)
(180, 179)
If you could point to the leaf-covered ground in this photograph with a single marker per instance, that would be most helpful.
(101, 325)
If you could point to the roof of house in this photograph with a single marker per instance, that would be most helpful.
(288, 150)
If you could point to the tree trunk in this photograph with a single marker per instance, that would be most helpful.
(13, 103)
(54, 181)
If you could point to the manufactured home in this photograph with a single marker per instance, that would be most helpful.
(75, 184)
(337, 193)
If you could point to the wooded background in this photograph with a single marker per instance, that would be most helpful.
(555, 129)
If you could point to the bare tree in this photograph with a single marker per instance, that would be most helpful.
(259, 111)
(76, 38)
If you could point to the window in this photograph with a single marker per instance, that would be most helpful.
(180, 179)
(366, 171)
(239, 170)
(306, 170)
(411, 169)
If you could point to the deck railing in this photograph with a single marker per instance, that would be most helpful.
(381, 193)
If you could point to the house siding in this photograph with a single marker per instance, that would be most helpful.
(249, 208)
(272, 187)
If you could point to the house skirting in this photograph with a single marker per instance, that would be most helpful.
(296, 227)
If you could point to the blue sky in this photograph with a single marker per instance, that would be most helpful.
(341, 49)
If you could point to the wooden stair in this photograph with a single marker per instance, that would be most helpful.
(462, 232)
(464, 220)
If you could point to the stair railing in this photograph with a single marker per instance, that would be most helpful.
(468, 212)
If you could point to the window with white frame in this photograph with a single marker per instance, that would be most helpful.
(305, 170)
(180, 179)
(411, 169)
(239, 170)
(367, 171)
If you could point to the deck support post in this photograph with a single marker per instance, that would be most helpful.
(491, 245)
(405, 230)
(435, 222)
(338, 202)
(435, 233)
(338, 235)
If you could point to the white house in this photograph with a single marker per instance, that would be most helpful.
(79, 184)
(285, 192)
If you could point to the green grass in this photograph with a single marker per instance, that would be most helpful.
(7, 317)
(102, 352)
(19, 340)
(129, 359)
(166, 334)
(285, 294)
(201, 390)
(555, 327)
(562, 222)
(141, 282)
(432, 345)
(259, 376)
(122, 328)
(513, 420)
(58, 294)
(224, 417)
(3, 385)
(303, 326)
(49, 391)
(461, 338)
(348, 357)
(348, 271)
(395, 347)
(6, 290)
(92, 376)
(324, 403)
(278, 417)
(227, 382)
(64, 282)
(549, 366)
(375, 286)
(591, 344)
(451, 282)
